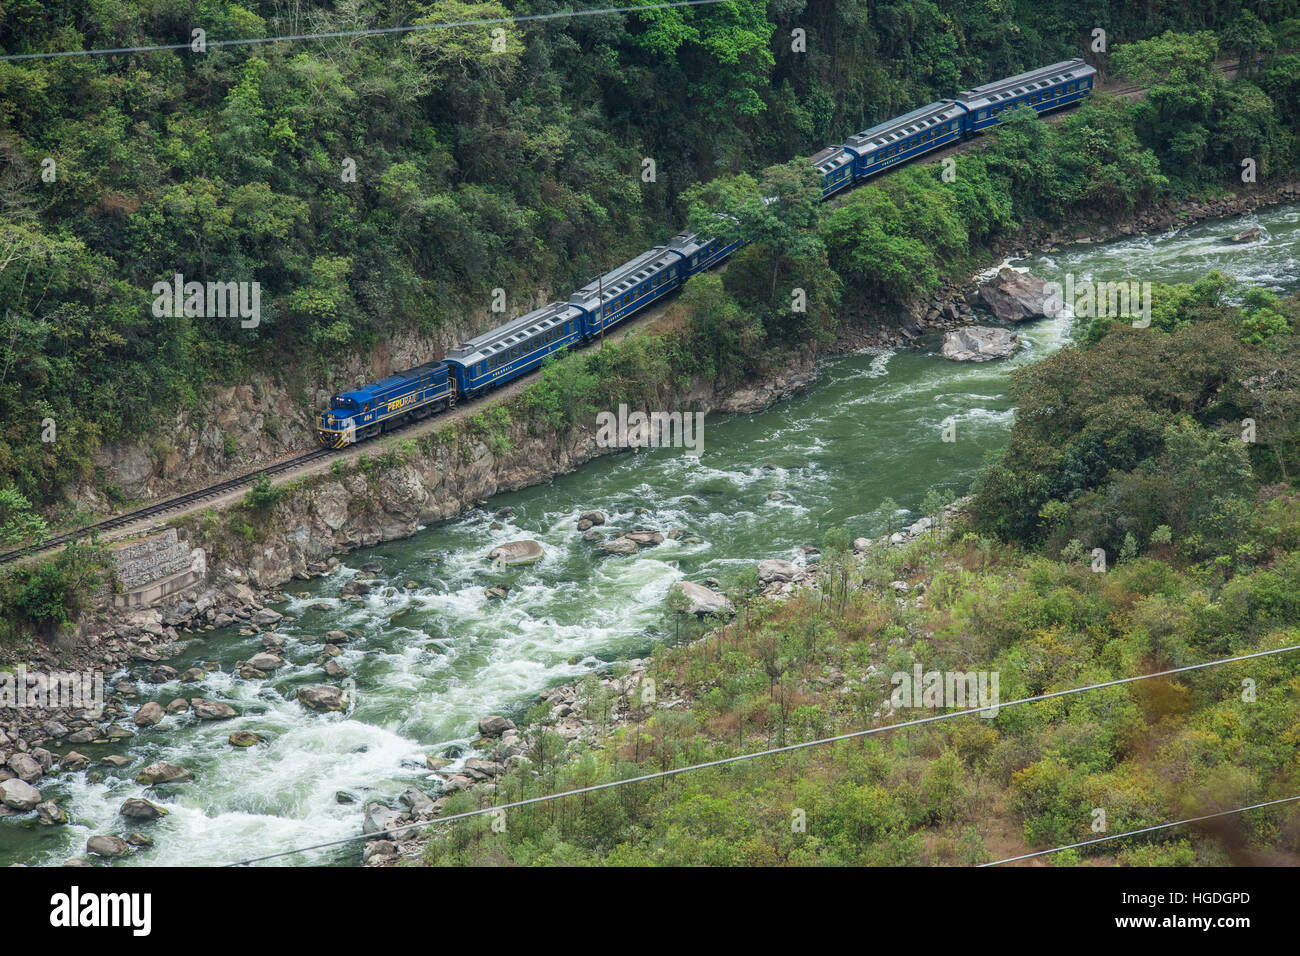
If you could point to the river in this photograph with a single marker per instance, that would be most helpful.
(765, 485)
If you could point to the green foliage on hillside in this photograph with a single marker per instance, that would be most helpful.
(1195, 121)
(41, 598)
(958, 792)
(476, 166)
(1175, 426)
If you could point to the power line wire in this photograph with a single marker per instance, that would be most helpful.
(1159, 826)
(373, 31)
(661, 774)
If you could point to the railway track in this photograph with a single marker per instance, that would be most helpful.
(214, 491)
(231, 484)
(163, 507)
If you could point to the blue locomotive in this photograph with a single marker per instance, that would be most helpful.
(522, 344)
(416, 393)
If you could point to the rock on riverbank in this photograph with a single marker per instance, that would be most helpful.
(1015, 296)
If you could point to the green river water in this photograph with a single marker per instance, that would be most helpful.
(868, 430)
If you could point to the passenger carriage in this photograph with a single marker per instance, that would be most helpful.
(835, 166)
(1042, 90)
(627, 289)
(515, 348)
(906, 137)
(698, 255)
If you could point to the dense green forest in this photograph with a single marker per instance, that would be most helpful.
(1132, 442)
(891, 239)
(509, 162)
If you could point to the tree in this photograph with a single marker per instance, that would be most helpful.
(677, 604)
(1183, 87)
(778, 211)
(17, 519)
(1248, 37)
(837, 563)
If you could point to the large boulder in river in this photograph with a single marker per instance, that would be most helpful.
(17, 795)
(266, 661)
(978, 343)
(138, 809)
(589, 519)
(149, 714)
(775, 569)
(265, 617)
(322, 698)
(516, 552)
(644, 538)
(1016, 296)
(704, 601)
(378, 820)
(50, 814)
(25, 767)
(211, 709)
(163, 772)
(620, 545)
(1249, 234)
(107, 846)
(494, 725)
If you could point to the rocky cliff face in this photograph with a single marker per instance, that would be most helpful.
(250, 424)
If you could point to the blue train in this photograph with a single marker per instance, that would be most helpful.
(522, 344)
(403, 397)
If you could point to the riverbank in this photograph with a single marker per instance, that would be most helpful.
(612, 705)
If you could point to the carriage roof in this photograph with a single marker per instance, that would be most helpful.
(909, 124)
(1022, 83)
(513, 332)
